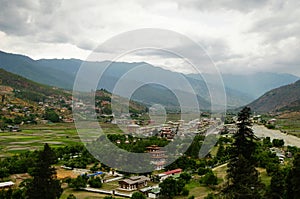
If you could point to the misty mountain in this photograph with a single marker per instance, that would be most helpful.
(62, 73)
(255, 85)
(284, 98)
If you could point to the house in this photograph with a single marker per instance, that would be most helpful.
(134, 183)
(151, 192)
(173, 172)
(167, 174)
(154, 193)
(158, 157)
(8, 184)
(14, 128)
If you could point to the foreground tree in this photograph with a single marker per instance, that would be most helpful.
(44, 183)
(293, 179)
(277, 186)
(243, 181)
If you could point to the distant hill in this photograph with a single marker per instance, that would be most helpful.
(284, 98)
(30, 90)
(28, 100)
(240, 90)
(256, 84)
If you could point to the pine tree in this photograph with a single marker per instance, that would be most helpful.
(243, 181)
(44, 185)
(293, 179)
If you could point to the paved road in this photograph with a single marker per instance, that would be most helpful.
(262, 131)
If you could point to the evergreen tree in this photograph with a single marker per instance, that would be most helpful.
(293, 184)
(44, 183)
(277, 187)
(243, 181)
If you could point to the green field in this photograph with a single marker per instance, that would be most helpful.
(16, 142)
(34, 136)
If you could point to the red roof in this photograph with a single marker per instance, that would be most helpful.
(173, 171)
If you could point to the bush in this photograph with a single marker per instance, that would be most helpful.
(185, 176)
(203, 171)
(79, 182)
(71, 196)
(95, 182)
(209, 179)
(278, 142)
(51, 115)
(138, 195)
(185, 192)
(210, 196)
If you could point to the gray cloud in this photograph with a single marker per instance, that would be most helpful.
(238, 5)
(238, 35)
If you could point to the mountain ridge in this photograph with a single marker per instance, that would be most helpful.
(284, 98)
(62, 73)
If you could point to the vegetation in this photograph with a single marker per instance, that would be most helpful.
(243, 181)
(209, 179)
(138, 195)
(43, 184)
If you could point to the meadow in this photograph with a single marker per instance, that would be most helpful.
(33, 137)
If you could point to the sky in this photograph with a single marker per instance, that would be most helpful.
(239, 36)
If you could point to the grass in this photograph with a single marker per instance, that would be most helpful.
(16, 142)
(83, 194)
(265, 179)
(33, 137)
(289, 123)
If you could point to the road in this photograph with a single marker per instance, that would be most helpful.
(262, 131)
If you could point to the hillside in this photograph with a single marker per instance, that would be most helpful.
(285, 98)
(24, 101)
(62, 72)
(29, 90)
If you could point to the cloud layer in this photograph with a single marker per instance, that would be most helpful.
(240, 36)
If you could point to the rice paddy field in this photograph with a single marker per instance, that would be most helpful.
(16, 142)
(34, 136)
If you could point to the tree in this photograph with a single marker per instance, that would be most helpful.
(185, 176)
(44, 184)
(202, 171)
(278, 142)
(138, 195)
(267, 142)
(4, 172)
(171, 187)
(243, 181)
(185, 192)
(71, 196)
(95, 182)
(79, 182)
(51, 115)
(293, 179)
(209, 179)
(277, 186)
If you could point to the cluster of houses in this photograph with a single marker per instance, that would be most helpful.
(281, 154)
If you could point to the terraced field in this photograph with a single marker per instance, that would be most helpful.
(16, 142)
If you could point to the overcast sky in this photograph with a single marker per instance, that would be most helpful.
(239, 35)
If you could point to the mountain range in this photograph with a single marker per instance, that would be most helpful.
(240, 89)
(284, 98)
